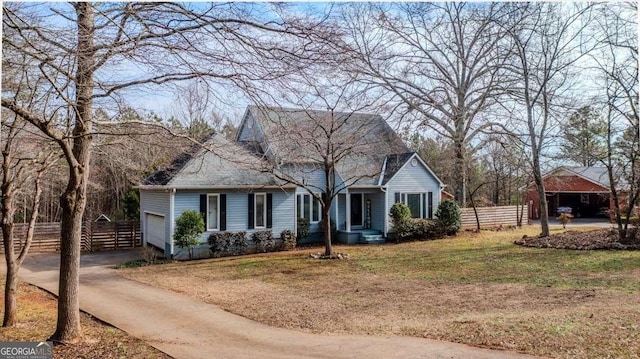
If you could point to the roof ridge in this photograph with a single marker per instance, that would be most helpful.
(307, 110)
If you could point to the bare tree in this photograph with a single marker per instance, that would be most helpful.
(24, 161)
(441, 62)
(327, 143)
(87, 53)
(547, 42)
(617, 68)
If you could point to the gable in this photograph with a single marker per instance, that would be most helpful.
(250, 134)
(414, 176)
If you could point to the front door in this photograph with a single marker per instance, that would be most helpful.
(356, 209)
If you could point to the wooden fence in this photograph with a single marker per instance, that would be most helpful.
(96, 236)
(492, 217)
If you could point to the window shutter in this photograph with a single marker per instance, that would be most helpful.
(269, 210)
(203, 208)
(424, 206)
(430, 204)
(223, 212)
(250, 217)
(397, 197)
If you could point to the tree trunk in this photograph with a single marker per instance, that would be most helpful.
(461, 179)
(73, 200)
(11, 279)
(475, 212)
(326, 217)
(544, 213)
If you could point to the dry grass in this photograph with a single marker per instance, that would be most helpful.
(36, 319)
(478, 289)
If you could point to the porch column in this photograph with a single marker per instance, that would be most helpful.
(337, 212)
(386, 213)
(348, 211)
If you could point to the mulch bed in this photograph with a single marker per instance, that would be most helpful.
(589, 240)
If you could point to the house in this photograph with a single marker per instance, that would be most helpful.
(263, 179)
(584, 189)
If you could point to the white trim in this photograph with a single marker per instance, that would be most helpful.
(155, 213)
(386, 210)
(255, 210)
(384, 169)
(348, 211)
(312, 200)
(424, 202)
(295, 212)
(217, 228)
(337, 202)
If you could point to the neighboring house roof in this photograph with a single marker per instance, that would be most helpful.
(595, 174)
(218, 163)
(446, 195)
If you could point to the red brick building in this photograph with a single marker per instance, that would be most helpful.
(584, 189)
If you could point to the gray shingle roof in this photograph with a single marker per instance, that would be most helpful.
(394, 163)
(223, 163)
(362, 141)
(598, 175)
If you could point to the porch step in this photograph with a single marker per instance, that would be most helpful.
(371, 239)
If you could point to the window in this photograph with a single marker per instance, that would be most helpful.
(420, 204)
(261, 210)
(316, 211)
(212, 212)
(413, 201)
(309, 207)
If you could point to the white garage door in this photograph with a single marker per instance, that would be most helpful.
(155, 230)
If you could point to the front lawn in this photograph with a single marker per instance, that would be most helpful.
(478, 289)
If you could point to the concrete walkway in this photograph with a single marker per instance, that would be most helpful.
(187, 328)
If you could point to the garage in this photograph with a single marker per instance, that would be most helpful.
(581, 191)
(155, 231)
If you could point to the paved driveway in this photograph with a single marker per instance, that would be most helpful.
(187, 328)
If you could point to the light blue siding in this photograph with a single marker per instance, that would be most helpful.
(283, 214)
(342, 212)
(412, 179)
(155, 202)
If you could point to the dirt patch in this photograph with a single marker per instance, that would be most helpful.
(580, 240)
(36, 319)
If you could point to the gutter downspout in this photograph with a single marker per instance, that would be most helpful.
(384, 169)
(386, 214)
(169, 246)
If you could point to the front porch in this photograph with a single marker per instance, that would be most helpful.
(361, 236)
